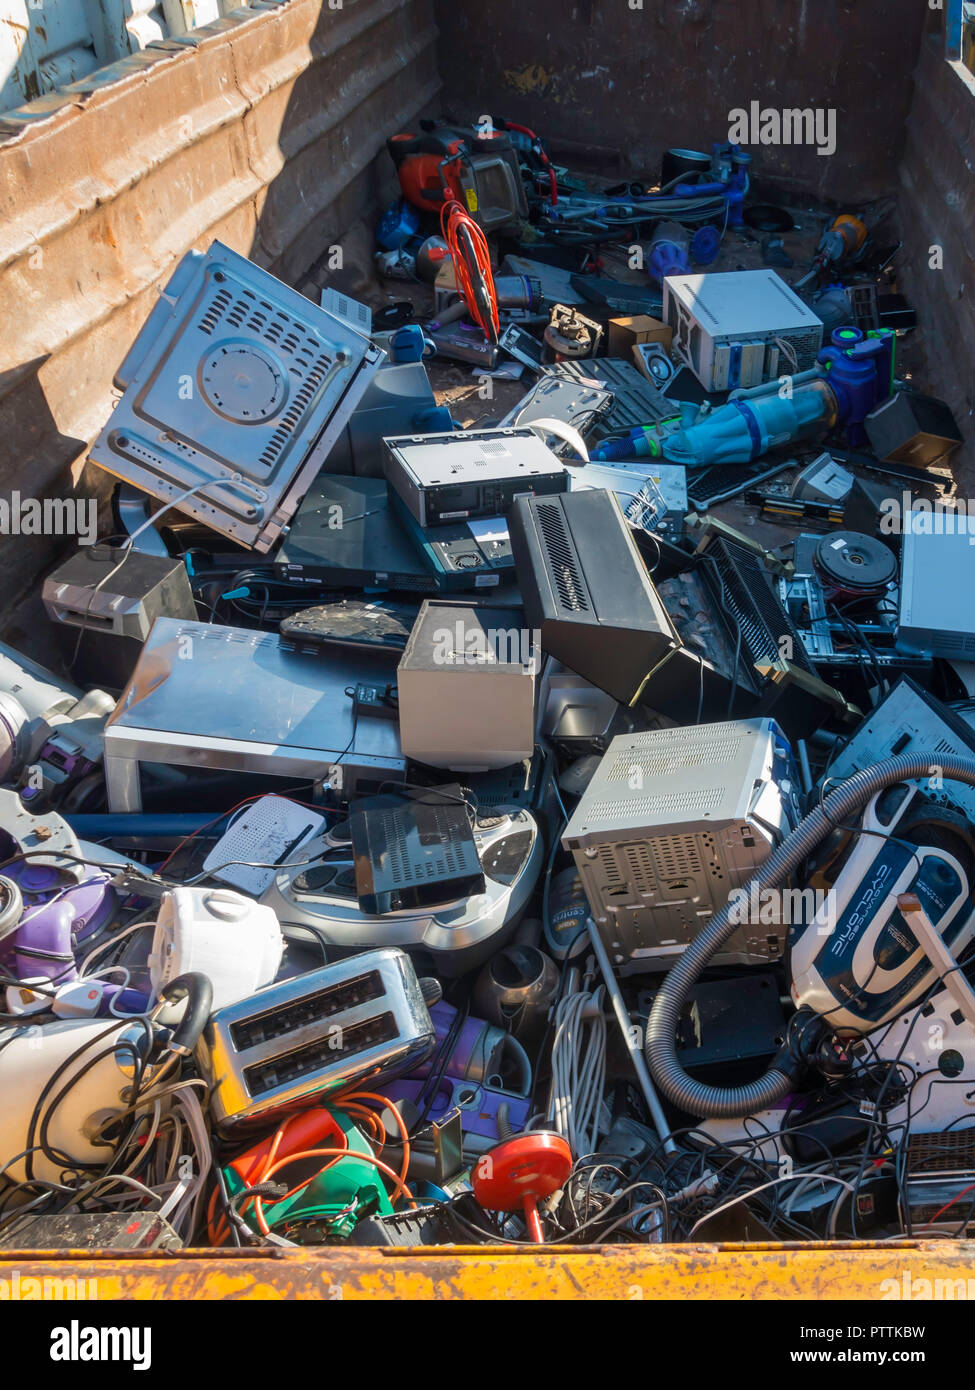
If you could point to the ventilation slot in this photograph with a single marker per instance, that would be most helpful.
(214, 312)
(292, 416)
(238, 313)
(562, 564)
(664, 764)
(440, 860)
(947, 1151)
(639, 866)
(684, 803)
(745, 594)
(611, 871)
(676, 856)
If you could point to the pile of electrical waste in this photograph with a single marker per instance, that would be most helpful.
(450, 836)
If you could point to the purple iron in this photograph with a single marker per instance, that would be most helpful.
(61, 907)
(472, 1080)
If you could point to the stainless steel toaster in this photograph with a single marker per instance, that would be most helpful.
(356, 1022)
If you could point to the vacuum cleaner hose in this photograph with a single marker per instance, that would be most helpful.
(660, 1046)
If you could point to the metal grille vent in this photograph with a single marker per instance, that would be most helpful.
(562, 563)
(696, 802)
(676, 855)
(952, 644)
(609, 866)
(248, 314)
(951, 1150)
(805, 345)
(665, 763)
(441, 859)
(258, 317)
(215, 311)
(359, 315)
(292, 416)
(748, 596)
(640, 866)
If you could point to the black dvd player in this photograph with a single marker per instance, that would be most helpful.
(346, 536)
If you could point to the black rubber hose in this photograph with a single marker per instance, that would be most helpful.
(660, 1044)
(198, 992)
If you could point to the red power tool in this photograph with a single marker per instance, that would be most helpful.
(480, 172)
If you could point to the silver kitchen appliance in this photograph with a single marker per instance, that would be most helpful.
(671, 823)
(362, 1020)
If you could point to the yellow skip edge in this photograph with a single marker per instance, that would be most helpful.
(856, 1270)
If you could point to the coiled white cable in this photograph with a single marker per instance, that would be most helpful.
(578, 1069)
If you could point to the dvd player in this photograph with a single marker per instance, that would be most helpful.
(346, 536)
(465, 475)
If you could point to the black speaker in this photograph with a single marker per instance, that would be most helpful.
(585, 587)
(911, 428)
(587, 590)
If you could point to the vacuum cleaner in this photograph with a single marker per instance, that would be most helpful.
(899, 915)
(851, 377)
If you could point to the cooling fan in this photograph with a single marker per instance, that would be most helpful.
(237, 386)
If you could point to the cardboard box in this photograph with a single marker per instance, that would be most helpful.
(638, 328)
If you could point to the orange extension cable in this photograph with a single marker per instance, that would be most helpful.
(460, 230)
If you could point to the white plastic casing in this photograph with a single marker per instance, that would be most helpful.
(234, 941)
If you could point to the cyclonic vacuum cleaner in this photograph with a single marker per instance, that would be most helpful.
(857, 964)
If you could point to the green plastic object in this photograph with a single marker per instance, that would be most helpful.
(331, 1205)
(887, 333)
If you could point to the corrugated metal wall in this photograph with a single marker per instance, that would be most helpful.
(265, 129)
(46, 43)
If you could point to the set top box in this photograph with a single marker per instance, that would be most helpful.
(462, 476)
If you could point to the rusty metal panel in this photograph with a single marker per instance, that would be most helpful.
(837, 1271)
(643, 75)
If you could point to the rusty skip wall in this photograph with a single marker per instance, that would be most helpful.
(643, 75)
(937, 215)
(265, 130)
